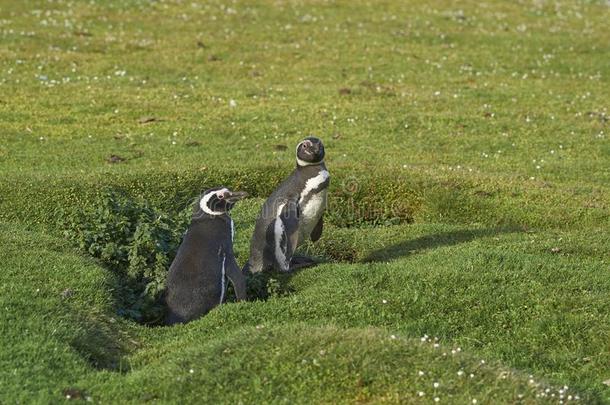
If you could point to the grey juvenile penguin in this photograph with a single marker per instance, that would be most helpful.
(293, 212)
(196, 282)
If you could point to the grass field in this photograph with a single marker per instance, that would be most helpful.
(466, 254)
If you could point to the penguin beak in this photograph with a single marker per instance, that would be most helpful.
(310, 148)
(234, 196)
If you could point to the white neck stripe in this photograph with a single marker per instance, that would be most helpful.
(304, 163)
(203, 204)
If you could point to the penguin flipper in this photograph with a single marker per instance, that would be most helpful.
(317, 230)
(237, 278)
(291, 223)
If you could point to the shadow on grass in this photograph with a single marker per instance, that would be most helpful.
(271, 283)
(101, 344)
(101, 336)
(427, 242)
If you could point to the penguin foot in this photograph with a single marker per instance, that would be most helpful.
(300, 262)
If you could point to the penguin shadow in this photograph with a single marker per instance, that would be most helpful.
(433, 241)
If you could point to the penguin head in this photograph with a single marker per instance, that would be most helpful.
(310, 151)
(219, 200)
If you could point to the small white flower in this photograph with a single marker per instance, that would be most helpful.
(232, 103)
(421, 393)
(436, 384)
(474, 400)
(393, 337)
(384, 301)
(191, 371)
(460, 373)
(420, 372)
(436, 399)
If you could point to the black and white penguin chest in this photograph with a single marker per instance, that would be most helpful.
(312, 203)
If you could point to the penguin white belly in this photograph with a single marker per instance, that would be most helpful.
(310, 215)
(313, 208)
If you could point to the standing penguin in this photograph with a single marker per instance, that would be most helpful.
(293, 212)
(196, 282)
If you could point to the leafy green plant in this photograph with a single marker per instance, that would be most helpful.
(133, 239)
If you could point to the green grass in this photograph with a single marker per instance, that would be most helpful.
(470, 162)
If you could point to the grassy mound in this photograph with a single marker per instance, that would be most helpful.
(322, 364)
(58, 319)
(501, 311)
(358, 196)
